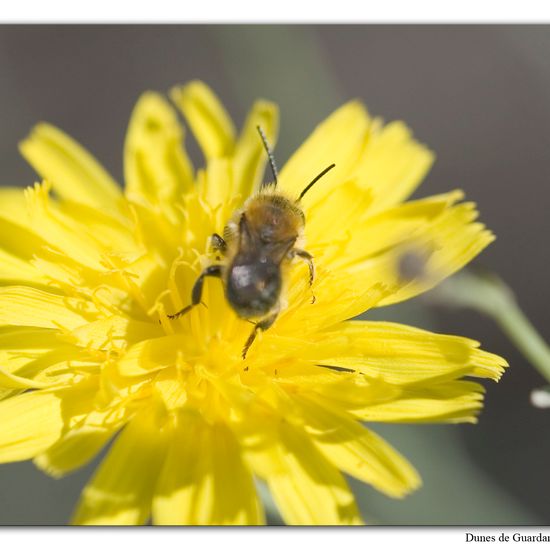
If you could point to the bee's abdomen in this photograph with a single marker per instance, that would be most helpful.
(253, 287)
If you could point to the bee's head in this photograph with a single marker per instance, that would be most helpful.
(253, 287)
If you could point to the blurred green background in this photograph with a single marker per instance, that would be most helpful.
(478, 95)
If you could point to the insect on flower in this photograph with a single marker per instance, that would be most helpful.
(88, 268)
(257, 244)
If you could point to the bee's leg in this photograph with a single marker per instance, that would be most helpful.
(264, 324)
(218, 243)
(196, 293)
(308, 258)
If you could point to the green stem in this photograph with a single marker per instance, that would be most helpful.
(524, 335)
(490, 295)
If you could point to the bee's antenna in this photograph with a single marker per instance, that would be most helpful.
(269, 155)
(315, 180)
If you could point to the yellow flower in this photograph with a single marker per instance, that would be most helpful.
(89, 274)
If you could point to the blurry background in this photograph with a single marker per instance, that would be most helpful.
(478, 95)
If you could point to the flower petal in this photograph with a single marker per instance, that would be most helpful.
(22, 346)
(362, 235)
(14, 382)
(59, 229)
(446, 246)
(326, 229)
(204, 481)
(335, 300)
(375, 400)
(111, 234)
(157, 353)
(114, 331)
(340, 139)
(390, 352)
(307, 489)
(73, 450)
(121, 490)
(156, 168)
(453, 401)
(30, 422)
(215, 184)
(400, 354)
(31, 307)
(14, 270)
(83, 436)
(358, 451)
(392, 165)
(73, 171)
(16, 236)
(14, 205)
(209, 121)
(250, 157)
(56, 369)
(408, 250)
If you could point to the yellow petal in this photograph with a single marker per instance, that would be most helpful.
(73, 450)
(79, 231)
(392, 165)
(17, 238)
(34, 308)
(60, 230)
(326, 229)
(121, 490)
(204, 481)
(28, 340)
(57, 368)
(110, 234)
(307, 489)
(83, 437)
(400, 354)
(20, 346)
(73, 171)
(358, 451)
(446, 246)
(250, 157)
(54, 369)
(114, 331)
(210, 123)
(14, 270)
(155, 354)
(13, 205)
(336, 300)
(215, 184)
(158, 236)
(340, 139)
(347, 391)
(24, 237)
(30, 422)
(359, 260)
(454, 401)
(435, 238)
(156, 168)
(361, 236)
(375, 400)
(12, 381)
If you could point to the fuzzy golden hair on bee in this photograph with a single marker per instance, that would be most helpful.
(258, 244)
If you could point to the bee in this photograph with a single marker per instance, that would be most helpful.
(257, 244)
